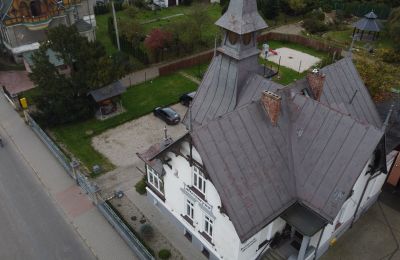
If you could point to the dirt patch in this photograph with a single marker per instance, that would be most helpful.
(121, 144)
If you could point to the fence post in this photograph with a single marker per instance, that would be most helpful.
(74, 165)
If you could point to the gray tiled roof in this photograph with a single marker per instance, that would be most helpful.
(369, 23)
(242, 17)
(114, 89)
(313, 156)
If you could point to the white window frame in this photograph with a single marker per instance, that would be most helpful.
(154, 179)
(199, 181)
(208, 225)
(189, 207)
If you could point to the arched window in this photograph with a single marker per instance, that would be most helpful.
(233, 37)
(246, 38)
(23, 9)
(35, 8)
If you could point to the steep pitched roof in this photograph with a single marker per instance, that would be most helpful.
(313, 156)
(242, 17)
(369, 23)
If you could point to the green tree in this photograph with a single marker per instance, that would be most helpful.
(297, 5)
(268, 8)
(393, 26)
(62, 97)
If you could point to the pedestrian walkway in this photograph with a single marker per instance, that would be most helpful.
(78, 210)
(140, 76)
(190, 77)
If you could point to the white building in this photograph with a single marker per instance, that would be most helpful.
(266, 170)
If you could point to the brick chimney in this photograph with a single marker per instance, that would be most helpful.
(272, 105)
(316, 81)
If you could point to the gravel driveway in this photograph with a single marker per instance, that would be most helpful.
(121, 144)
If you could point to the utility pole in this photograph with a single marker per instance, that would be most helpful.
(115, 25)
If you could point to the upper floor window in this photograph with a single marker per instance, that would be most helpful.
(189, 209)
(154, 179)
(199, 181)
(208, 225)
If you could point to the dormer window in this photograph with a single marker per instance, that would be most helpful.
(199, 181)
(233, 38)
(246, 38)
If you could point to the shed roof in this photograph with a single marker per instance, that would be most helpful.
(53, 58)
(114, 89)
(369, 23)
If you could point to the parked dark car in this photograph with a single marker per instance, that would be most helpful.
(187, 98)
(167, 114)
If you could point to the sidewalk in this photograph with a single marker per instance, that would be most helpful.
(98, 235)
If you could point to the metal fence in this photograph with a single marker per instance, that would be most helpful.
(92, 191)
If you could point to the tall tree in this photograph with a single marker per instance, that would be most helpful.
(268, 8)
(62, 97)
(393, 25)
(297, 5)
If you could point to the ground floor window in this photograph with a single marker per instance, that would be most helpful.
(188, 236)
(154, 179)
(205, 252)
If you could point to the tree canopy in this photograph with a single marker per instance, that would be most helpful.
(62, 94)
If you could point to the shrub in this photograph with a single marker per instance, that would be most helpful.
(147, 231)
(164, 254)
(132, 11)
(141, 186)
(315, 26)
(389, 55)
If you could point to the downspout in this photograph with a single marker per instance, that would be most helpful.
(362, 197)
(385, 124)
(319, 242)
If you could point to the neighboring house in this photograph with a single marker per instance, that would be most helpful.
(23, 23)
(266, 170)
(53, 59)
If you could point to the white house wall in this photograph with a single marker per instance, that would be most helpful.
(226, 242)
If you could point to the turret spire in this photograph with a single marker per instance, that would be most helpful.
(242, 17)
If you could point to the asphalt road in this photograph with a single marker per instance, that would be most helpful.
(31, 224)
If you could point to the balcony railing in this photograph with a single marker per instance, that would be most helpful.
(42, 18)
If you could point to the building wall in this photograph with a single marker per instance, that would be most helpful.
(225, 242)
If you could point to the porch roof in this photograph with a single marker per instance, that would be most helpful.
(114, 89)
(303, 219)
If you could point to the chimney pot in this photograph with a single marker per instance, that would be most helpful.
(316, 80)
(272, 105)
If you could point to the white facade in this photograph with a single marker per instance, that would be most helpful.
(194, 202)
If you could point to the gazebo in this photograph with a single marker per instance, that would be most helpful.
(108, 99)
(369, 23)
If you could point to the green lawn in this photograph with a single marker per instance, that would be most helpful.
(138, 101)
(144, 16)
(197, 71)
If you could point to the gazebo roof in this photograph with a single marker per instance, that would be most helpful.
(114, 89)
(368, 23)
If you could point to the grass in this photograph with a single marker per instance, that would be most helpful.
(138, 100)
(144, 16)
(197, 71)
